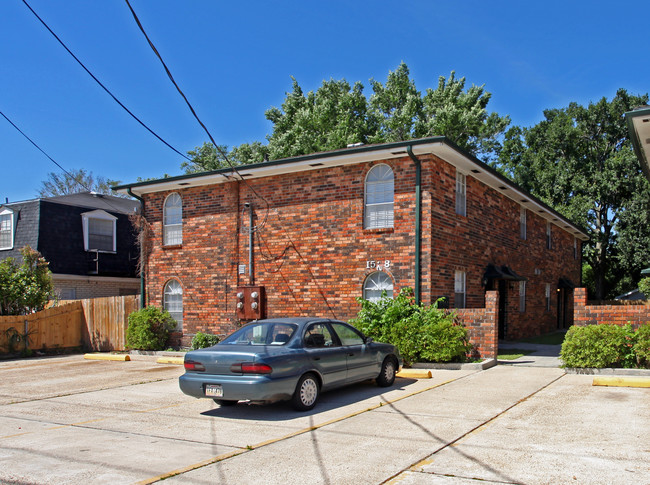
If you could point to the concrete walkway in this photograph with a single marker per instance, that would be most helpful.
(541, 355)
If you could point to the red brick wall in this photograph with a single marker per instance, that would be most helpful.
(618, 312)
(312, 252)
(481, 325)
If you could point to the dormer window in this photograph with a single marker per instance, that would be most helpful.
(99, 231)
(6, 229)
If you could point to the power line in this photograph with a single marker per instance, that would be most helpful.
(103, 87)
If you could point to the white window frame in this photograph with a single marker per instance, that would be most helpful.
(461, 194)
(173, 301)
(379, 214)
(547, 294)
(460, 280)
(375, 284)
(549, 238)
(7, 215)
(86, 217)
(522, 223)
(522, 296)
(173, 222)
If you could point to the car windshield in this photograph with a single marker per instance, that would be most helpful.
(262, 334)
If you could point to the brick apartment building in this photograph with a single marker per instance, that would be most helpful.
(331, 227)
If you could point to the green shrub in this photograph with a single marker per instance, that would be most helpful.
(149, 329)
(644, 287)
(599, 346)
(203, 340)
(422, 334)
(642, 345)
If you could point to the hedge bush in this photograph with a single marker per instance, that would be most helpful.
(203, 340)
(644, 287)
(149, 329)
(421, 334)
(607, 345)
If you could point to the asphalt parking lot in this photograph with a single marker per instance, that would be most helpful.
(70, 420)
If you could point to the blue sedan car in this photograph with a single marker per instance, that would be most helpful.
(287, 359)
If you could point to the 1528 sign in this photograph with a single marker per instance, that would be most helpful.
(378, 265)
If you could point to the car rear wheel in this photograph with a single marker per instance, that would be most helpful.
(225, 402)
(306, 394)
(386, 376)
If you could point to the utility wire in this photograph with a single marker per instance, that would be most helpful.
(89, 189)
(104, 87)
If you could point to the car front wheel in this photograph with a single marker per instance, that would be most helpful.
(306, 394)
(386, 376)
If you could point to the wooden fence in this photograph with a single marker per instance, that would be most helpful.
(94, 324)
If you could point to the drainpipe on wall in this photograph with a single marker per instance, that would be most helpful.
(142, 293)
(418, 222)
(251, 262)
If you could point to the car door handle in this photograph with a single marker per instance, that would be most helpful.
(350, 355)
(315, 358)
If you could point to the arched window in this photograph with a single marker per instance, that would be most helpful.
(376, 284)
(173, 301)
(379, 197)
(173, 220)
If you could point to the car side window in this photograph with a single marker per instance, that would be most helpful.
(347, 335)
(318, 335)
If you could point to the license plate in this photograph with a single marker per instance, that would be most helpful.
(213, 390)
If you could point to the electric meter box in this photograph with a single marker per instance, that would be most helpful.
(251, 302)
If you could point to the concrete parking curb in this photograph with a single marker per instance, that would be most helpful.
(414, 374)
(116, 357)
(170, 360)
(483, 365)
(611, 381)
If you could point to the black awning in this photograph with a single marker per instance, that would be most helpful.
(566, 283)
(504, 272)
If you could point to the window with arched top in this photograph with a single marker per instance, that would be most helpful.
(173, 220)
(379, 197)
(375, 285)
(173, 301)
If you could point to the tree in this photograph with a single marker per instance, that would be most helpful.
(75, 181)
(25, 288)
(579, 161)
(338, 114)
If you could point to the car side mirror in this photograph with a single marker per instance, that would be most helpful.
(368, 340)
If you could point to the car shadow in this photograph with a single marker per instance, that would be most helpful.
(327, 401)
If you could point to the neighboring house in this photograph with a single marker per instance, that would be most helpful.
(335, 226)
(638, 125)
(86, 238)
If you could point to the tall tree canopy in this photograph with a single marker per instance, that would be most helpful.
(580, 161)
(73, 182)
(338, 114)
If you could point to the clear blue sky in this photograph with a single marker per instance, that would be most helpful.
(234, 60)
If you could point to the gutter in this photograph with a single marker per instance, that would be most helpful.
(418, 222)
(142, 292)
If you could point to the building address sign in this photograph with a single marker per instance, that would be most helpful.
(378, 265)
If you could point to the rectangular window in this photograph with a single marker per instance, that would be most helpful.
(100, 234)
(6, 229)
(459, 289)
(461, 194)
(575, 248)
(549, 240)
(522, 223)
(522, 296)
(548, 297)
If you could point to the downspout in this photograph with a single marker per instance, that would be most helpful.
(142, 293)
(418, 222)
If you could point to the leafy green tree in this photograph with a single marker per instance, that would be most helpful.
(579, 160)
(75, 181)
(338, 114)
(25, 288)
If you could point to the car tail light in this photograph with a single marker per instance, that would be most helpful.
(192, 365)
(251, 368)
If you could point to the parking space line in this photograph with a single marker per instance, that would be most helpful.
(249, 448)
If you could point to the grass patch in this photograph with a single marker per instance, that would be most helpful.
(555, 338)
(512, 354)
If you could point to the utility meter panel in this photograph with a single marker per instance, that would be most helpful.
(251, 302)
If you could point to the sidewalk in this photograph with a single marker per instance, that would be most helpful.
(541, 355)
